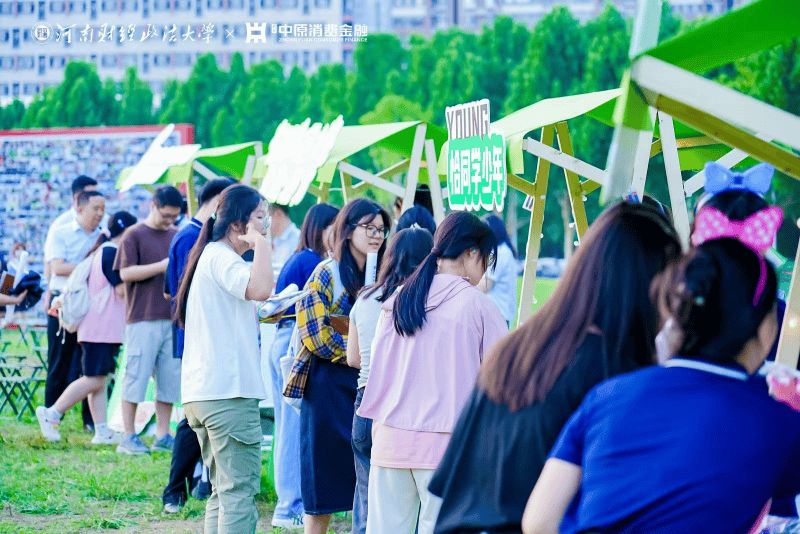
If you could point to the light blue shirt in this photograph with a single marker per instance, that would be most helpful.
(284, 246)
(70, 243)
(504, 283)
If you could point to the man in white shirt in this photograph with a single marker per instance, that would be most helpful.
(70, 243)
(285, 235)
(79, 185)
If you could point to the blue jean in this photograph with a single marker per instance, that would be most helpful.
(286, 442)
(362, 451)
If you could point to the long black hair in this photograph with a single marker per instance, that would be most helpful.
(343, 227)
(459, 232)
(606, 284)
(406, 251)
(118, 223)
(318, 218)
(717, 298)
(500, 233)
(236, 204)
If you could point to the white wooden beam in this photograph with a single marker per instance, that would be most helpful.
(642, 158)
(714, 99)
(565, 161)
(677, 195)
(413, 168)
(370, 178)
(207, 173)
(434, 182)
(247, 175)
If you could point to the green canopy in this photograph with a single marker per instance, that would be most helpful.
(397, 137)
(749, 29)
(229, 160)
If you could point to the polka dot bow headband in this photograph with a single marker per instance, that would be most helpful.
(757, 232)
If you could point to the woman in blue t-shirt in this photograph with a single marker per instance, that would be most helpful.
(500, 282)
(695, 445)
(297, 269)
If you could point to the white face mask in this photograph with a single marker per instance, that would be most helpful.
(667, 341)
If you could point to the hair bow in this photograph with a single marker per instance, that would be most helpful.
(756, 179)
(757, 231)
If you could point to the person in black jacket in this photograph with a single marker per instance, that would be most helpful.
(598, 323)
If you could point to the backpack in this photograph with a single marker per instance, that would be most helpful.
(296, 344)
(74, 298)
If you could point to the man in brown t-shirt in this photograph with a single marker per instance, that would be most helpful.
(142, 259)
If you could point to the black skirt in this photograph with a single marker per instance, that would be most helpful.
(327, 467)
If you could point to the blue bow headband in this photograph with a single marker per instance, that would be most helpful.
(756, 179)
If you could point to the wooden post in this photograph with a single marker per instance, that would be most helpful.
(347, 186)
(573, 182)
(413, 168)
(677, 194)
(535, 230)
(789, 340)
(434, 182)
(324, 189)
(247, 175)
(191, 199)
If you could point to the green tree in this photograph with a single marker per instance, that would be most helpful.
(136, 106)
(457, 78)
(553, 63)
(294, 88)
(11, 115)
(503, 47)
(375, 59)
(259, 106)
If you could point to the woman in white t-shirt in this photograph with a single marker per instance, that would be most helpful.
(221, 372)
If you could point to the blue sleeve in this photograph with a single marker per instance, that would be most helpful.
(570, 444)
(178, 256)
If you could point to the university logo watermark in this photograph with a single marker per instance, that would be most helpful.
(42, 33)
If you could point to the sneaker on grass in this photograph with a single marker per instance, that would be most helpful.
(289, 523)
(48, 424)
(164, 444)
(106, 438)
(170, 508)
(132, 444)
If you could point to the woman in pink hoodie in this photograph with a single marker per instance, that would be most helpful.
(429, 345)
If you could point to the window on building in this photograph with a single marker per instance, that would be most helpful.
(268, 4)
(5, 35)
(236, 4)
(322, 4)
(6, 8)
(109, 6)
(26, 63)
(109, 61)
(57, 7)
(288, 4)
(183, 5)
(182, 60)
(6, 62)
(27, 8)
(26, 35)
(129, 60)
(130, 5)
(4, 89)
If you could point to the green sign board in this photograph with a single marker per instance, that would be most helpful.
(476, 173)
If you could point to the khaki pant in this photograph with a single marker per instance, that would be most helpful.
(399, 501)
(229, 432)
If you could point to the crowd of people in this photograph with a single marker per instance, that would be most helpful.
(630, 402)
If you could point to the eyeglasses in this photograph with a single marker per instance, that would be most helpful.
(266, 222)
(375, 231)
(168, 216)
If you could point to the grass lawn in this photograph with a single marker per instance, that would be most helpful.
(74, 487)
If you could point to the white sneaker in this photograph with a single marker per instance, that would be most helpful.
(293, 523)
(111, 438)
(48, 425)
(170, 508)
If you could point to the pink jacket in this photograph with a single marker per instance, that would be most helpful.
(422, 382)
(102, 325)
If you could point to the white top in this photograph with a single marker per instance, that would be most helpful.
(504, 283)
(70, 243)
(66, 217)
(221, 357)
(365, 313)
(284, 246)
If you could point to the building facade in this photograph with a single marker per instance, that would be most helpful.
(162, 38)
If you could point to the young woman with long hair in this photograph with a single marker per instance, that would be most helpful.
(426, 357)
(221, 382)
(286, 445)
(598, 323)
(625, 449)
(407, 249)
(100, 335)
(320, 375)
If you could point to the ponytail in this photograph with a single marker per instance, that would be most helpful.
(460, 231)
(409, 307)
(182, 297)
(102, 238)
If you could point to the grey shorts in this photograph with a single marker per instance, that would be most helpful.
(148, 352)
